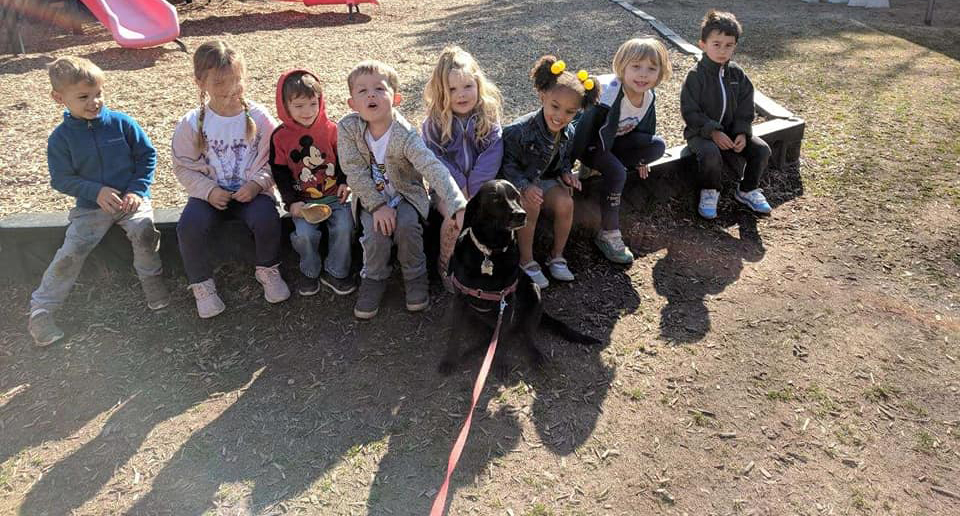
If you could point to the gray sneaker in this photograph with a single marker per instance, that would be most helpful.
(209, 303)
(339, 286)
(418, 293)
(368, 300)
(156, 292)
(43, 329)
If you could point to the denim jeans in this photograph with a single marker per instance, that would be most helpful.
(306, 242)
(87, 228)
(199, 219)
(377, 247)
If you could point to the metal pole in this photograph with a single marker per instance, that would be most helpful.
(929, 18)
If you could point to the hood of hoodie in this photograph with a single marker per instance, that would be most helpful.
(284, 115)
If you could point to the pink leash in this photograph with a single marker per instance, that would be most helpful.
(441, 500)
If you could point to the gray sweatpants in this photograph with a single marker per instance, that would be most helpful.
(87, 228)
(377, 247)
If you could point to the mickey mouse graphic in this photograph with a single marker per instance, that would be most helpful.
(316, 175)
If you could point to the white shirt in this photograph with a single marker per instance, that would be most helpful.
(630, 115)
(378, 168)
(228, 150)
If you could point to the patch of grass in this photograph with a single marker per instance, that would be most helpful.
(5, 477)
(926, 443)
(848, 435)
(637, 394)
(538, 509)
(354, 451)
(859, 502)
(825, 404)
(700, 420)
(780, 395)
(914, 409)
(881, 392)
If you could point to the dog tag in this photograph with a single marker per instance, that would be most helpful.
(486, 267)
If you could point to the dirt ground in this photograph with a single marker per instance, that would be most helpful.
(802, 363)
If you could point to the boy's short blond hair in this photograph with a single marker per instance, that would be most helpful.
(374, 68)
(67, 71)
(638, 49)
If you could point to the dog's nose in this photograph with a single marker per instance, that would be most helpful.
(518, 219)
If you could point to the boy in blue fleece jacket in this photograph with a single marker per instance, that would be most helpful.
(105, 160)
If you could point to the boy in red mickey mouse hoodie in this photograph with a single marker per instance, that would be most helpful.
(303, 157)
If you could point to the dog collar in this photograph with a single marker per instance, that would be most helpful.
(498, 295)
(487, 266)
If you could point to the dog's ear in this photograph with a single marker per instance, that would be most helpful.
(473, 211)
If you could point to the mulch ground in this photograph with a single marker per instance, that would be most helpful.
(802, 363)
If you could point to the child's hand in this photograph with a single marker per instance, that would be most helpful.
(131, 202)
(570, 180)
(385, 220)
(458, 220)
(109, 200)
(533, 195)
(740, 142)
(643, 171)
(295, 210)
(219, 198)
(343, 192)
(247, 192)
(722, 140)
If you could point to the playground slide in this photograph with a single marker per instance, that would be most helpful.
(137, 23)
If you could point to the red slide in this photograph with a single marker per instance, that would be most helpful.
(137, 23)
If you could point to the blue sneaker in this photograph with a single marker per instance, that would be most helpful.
(708, 203)
(753, 199)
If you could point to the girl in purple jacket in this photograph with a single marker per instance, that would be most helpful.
(462, 128)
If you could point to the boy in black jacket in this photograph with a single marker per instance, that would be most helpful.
(717, 106)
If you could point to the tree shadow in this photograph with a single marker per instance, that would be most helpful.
(273, 21)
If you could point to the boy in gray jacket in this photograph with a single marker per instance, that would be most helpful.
(385, 162)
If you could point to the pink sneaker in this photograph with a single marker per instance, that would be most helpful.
(275, 289)
(209, 303)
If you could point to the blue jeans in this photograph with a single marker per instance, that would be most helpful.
(200, 219)
(408, 236)
(626, 153)
(87, 228)
(306, 242)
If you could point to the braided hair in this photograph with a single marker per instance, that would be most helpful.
(546, 77)
(216, 56)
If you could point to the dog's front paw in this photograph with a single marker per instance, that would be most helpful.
(446, 368)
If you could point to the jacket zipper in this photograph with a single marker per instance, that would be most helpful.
(723, 93)
(466, 154)
(93, 135)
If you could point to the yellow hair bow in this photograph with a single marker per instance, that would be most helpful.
(585, 79)
(558, 67)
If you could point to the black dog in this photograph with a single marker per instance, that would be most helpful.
(486, 264)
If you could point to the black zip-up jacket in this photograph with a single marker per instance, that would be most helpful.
(597, 125)
(529, 153)
(716, 97)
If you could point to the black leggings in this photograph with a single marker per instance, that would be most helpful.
(627, 152)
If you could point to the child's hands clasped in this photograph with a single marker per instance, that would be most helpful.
(739, 142)
(109, 200)
(385, 220)
(131, 202)
(248, 192)
(219, 198)
(343, 192)
(570, 180)
(722, 140)
(643, 171)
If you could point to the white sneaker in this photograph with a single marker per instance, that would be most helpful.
(558, 269)
(209, 303)
(708, 203)
(275, 289)
(533, 270)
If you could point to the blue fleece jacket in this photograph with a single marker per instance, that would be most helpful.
(109, 150)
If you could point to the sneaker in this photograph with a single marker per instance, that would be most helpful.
(558, 269)
(209, 303)
(708, 203)
(417, 293)
(307, 286)
(754, 199)
(612, 246)
(275, 289)
(339, 286)
(43, 329)
(368, 300)
(533, 270)
(156, 292)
